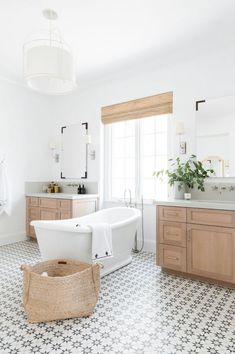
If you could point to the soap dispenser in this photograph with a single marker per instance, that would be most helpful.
(83, 191)
(79, 189)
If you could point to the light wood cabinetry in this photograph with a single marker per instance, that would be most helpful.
(200, 242)
(211, 252)
(213, 217)
(48, 214)
(172, 214)
(172, 233)
(56, 209)
(172, 257)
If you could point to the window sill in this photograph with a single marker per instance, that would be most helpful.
(121, 201)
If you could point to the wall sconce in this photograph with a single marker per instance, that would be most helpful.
(179, 130)
(55, 155)
(91, 152)
(88, 139)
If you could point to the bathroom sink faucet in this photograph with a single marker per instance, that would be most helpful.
(231, 188)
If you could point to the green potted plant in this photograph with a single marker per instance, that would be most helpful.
(185, 175)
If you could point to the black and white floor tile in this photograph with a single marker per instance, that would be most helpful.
(140, 311)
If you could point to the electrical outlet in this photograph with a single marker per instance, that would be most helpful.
(183, 147)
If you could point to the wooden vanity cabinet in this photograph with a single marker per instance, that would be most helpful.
(172, 257)
(56, 209)
(211, 252)
(201, 244)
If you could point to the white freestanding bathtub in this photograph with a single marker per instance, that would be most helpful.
(63, 239)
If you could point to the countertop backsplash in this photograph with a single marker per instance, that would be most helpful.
(69, 187)
(216, 191)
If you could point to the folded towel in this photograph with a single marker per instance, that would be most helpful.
(5, 200)
(101, 241)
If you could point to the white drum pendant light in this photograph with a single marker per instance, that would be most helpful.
(48, 62)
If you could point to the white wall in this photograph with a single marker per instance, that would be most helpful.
(72, 109)
(198, 78)
(25, 131)
(28, 122)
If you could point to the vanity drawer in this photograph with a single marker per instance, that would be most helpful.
(33, 201)
(172, 233)
(48, 203)
(172, 257)
(211, 217)
(172, 213)
(65, 204)
(49, 214)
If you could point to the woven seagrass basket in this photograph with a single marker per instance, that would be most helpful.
(71, 289)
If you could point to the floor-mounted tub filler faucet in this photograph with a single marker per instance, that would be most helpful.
(134, 205)
(128, 204)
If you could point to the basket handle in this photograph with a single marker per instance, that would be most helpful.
(99, 264)
(96, 289)
(27, 272)
(25, 268)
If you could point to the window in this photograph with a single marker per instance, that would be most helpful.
(134, 149)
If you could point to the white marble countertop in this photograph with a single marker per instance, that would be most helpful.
(202, 204)
(62, 195)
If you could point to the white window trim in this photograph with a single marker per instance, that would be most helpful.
(108, 162)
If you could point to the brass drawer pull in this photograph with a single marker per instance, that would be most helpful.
(174, 258)
(172, 214)
(170, 234)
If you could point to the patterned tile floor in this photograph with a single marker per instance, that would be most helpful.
(141, 311)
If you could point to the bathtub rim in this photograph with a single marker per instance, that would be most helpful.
(60, 225)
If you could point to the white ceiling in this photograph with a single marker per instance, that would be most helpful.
(109, 35)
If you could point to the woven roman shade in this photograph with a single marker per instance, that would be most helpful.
(143, 107)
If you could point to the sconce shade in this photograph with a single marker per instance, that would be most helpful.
(88, 139)
(179, 128)
(49, 67)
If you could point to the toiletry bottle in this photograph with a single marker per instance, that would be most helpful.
(79, 189)
(83, 189)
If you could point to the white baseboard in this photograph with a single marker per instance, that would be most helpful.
(12, 238)
(150, 246)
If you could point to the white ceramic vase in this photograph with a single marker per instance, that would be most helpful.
(179, 192)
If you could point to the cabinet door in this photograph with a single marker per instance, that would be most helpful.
(65, 204)
(65, 214)
(49, 214)
(83, 207)
(30, 231)
(32, 201)
(32, 213)
(211, 252)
